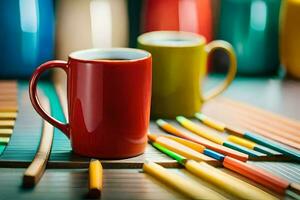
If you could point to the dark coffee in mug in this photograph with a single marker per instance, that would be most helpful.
(110, 59)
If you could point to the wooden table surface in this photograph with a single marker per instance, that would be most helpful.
(272, 94)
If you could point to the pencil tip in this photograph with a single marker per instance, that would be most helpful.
(200, 116)
(160, 122)
(180, 118)
(147, 161)
(152, 138)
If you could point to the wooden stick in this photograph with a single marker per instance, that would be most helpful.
(11, 97)
(227, 116)
(8, 115)
(272, 136)
(8, 108)
(6, 132)
(7, 123)
(237, 121)
(8, 83)
(270, 129)
(264, 115)
(8, 92)
(36, 169)
(261, 121)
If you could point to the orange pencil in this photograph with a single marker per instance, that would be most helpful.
(178, 148)
(213, 146)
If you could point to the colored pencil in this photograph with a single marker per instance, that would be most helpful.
(252, 145)
(216, 147)
(191, 126)
(95, 179)
(178, 148)
(260, 176)
(253, 137)
(242, 142)
(180, 184)
(220, 179)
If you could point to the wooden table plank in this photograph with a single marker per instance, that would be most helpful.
(118, 184)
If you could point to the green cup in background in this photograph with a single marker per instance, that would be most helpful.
(251, 26)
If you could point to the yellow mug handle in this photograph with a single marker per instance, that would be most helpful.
(211, 47)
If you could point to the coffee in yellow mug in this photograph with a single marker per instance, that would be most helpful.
(178, 71)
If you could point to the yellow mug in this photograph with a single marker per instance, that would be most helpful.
(289, 37)
(179, 68)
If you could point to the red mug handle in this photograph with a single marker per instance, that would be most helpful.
(34, 97)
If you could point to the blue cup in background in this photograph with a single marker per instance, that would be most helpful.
(26, 36)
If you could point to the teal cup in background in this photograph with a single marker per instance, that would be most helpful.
(26, 36)
(251, 26)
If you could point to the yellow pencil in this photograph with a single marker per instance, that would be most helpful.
(198, 130)
(232, 138)
(191, 126)
(193, 145)
(95, 178)
(188, 188)
(226, 182)
(252, 145)
(241, 141)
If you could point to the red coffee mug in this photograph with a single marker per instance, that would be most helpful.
(109, 93)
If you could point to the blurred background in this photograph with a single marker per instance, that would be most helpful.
(264, 33)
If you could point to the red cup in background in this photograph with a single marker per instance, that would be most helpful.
(109, 93)
(179, 15)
